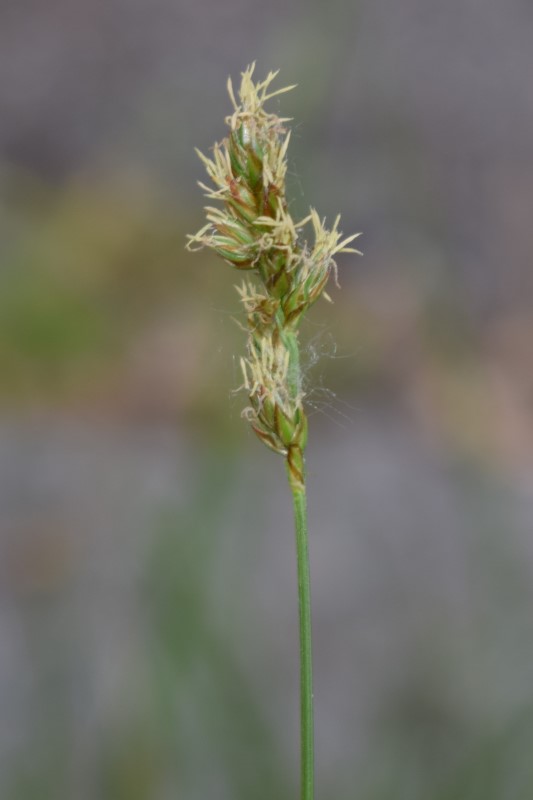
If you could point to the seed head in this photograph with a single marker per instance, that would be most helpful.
(253, 230)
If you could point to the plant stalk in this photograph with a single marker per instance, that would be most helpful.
(254, 231)
(306, 661)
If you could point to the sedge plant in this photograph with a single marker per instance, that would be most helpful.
(252, 229)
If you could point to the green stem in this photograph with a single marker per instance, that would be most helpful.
(296, 474)
(306, 660)
(294, 377)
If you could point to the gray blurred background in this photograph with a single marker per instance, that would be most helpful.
(148, 620)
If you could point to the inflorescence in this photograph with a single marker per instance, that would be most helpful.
(254, 231)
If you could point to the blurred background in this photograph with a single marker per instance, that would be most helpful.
(148, 617)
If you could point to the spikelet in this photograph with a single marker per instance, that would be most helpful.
(253, 231)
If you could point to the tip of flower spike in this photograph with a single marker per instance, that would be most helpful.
(251, 95)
